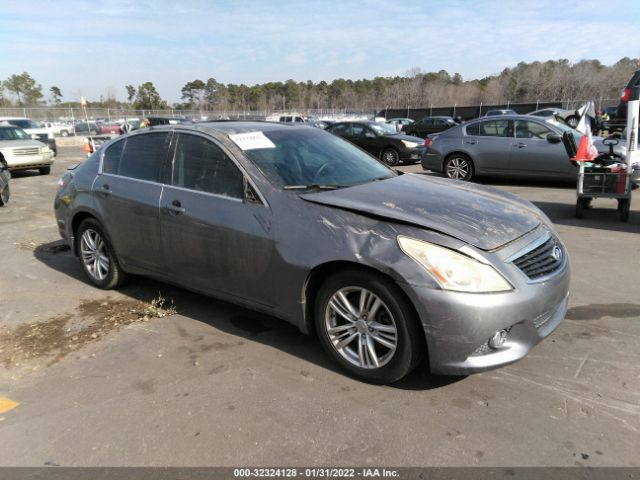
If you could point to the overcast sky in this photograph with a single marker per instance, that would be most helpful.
(96, 48)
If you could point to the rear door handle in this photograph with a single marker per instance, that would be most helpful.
(106, 190)
(471, 142)
(176, 207)
(521, 145)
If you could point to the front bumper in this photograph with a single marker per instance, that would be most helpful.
(458, 325)
(23, 162)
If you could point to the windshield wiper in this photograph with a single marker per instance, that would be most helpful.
(314, 186)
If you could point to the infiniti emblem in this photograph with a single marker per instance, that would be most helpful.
(556, 254)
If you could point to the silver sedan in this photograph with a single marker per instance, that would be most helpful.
(507, 146)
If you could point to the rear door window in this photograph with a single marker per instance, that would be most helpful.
(201, 165)
(341, 129)
(495, 128)
(139, 157)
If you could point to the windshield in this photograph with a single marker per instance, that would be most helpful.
(564, 128)
(25, 123)
(383, 129)
(13, 134)
(308, 157)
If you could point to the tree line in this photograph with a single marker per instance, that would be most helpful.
(553, 80)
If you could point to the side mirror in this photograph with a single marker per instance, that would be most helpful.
(34, 136)
(370, 135)
(554, 138)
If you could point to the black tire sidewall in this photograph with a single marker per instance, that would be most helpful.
(44, 170)
(410, 348)
(468, 176)
(6, 192)
(114, 276)
(396, 155)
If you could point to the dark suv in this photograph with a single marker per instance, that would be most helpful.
(620, 121)
(428, 125)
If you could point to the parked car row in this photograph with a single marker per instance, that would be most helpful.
(381, 140)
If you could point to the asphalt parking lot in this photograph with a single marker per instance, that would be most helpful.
(89, 377)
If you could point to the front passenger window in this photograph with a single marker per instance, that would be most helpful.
(202, 166)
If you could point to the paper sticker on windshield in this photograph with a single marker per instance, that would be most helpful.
(251, 140)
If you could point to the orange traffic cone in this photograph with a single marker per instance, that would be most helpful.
(585, 152)
(87, 147)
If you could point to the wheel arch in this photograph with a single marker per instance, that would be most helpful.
(320, 273)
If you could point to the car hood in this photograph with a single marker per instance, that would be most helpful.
(7, 144)
(484, 217)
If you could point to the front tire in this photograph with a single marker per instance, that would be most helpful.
(458, 167)
(97, 256)
(390, 157)
(367, 326)
(45, 170)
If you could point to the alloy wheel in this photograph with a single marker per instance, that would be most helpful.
(361, 328)
(458, 168)
(93, 251)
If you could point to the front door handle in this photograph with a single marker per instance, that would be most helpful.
(176, 207)
(521, 145)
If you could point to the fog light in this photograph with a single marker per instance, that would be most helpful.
(498, 339)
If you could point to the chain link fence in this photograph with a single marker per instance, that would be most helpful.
(108, 115)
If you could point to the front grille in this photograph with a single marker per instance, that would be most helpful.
(26, 151)
(542, 260)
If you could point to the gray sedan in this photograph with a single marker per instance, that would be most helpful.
(300, 224)
(509, 146)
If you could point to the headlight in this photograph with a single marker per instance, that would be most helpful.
(452, 270)
(410, 144)
(45, 149)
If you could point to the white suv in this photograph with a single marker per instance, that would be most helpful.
(19, 152)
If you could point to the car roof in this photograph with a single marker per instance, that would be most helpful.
(508, 117)
(227, 127)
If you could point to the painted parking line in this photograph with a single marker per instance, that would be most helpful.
(7, 404)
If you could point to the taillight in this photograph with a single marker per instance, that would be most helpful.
(427, 142)
(624, 96)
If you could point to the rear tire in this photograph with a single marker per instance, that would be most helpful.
(390, 157)
(4, 196)
(624, 204)
(45, 170)
(64, 133)
(458, 167)
(572, 121)
(581, 205)
(97, 256)
(367, 326)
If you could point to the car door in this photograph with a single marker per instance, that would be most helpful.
(533, 155)
(490, 143)
(127, 191)
(366, 138)
(425, 127)
(215, 237)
